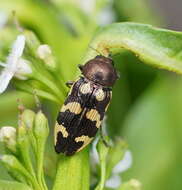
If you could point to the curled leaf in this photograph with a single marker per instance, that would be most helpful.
(158, 47)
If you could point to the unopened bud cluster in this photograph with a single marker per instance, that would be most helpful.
(29, 136)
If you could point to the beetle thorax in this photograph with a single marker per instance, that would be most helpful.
(100, 70)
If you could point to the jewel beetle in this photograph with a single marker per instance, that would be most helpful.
(83, 111)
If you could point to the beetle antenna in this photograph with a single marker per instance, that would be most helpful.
(95, 50)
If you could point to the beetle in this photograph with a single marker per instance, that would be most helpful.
(82, 113)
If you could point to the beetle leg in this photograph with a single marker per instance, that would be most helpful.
(103, 139)
(80, 67)
(69, 83)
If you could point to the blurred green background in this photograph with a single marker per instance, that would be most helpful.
(146, 107)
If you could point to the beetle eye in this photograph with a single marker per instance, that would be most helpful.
(98, 56)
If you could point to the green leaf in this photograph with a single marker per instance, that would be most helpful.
(153, 131)
(45, 20)
(158, 47)
(12, 185)
(73, 172)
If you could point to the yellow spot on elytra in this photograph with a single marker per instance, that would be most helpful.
(85, 88)
(85, 139)
(107, 107)
(94, 115)
(100, 95)
(109, 101)
(71, 89)
(110, 95)
(73, 107)
(59, 128)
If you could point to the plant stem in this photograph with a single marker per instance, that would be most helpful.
(73, 172)
(100, 186)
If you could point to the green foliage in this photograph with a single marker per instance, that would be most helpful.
(9, 185)
(155, 119)
(158, 47)
(148, 117)
(73, 172)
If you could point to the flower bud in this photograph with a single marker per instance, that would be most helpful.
(23, 144)
(22, 138)
(28, 117)
(41, 129)
(44, 52)
(8, 137)
(32, 43)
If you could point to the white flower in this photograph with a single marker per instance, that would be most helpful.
(124, 164)
(15, 65)
(115, 180)
(23, 68)
(93, 153)
(8, 136)
(3, 19)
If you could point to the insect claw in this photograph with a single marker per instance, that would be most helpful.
(80, 67)
(103, 139)
(106, 143)
(69, 83)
